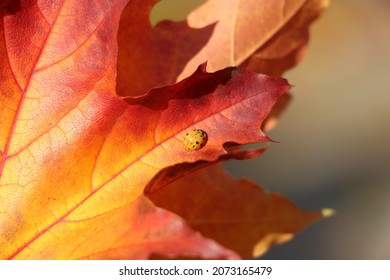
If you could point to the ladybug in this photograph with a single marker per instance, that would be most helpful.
(195, 140)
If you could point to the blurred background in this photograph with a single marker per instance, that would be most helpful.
(334, 149)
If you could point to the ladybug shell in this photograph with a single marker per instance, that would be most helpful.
(195, 140)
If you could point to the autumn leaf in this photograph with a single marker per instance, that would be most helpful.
(265, 36)
(237, 214)
(76, 158)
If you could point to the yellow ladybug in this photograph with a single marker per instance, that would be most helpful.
(195, 140)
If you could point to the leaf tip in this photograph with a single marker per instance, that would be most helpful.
(271, 239)
(328, 212)
(202, 67)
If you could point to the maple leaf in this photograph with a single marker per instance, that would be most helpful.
(76, 158)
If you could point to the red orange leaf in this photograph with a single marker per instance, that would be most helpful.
(266, 36)
(238, 214)
(75, 157)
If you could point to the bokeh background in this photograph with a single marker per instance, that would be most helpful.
(334, 148)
